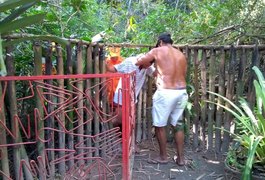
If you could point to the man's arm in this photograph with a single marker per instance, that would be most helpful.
(146, 60)
(110, 67)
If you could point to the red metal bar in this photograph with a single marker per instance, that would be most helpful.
(45, 77)
(108, 140)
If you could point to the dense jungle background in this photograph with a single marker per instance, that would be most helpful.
(140, 21)
(190, 22)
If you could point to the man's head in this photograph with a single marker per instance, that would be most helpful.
(164, 38)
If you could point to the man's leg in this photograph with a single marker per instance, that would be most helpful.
(179, 139)
(162, 141)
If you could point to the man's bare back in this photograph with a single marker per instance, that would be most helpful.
(171, 66)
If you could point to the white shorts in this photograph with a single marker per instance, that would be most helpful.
(168, 104)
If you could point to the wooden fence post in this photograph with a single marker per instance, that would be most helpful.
(212, 75)
(229, 95)
(219, 110)
(69, 124)
(60, 116)
(196, 100)
(89, 70)
(97, 104)
(203, 98)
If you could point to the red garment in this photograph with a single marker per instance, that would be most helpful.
(113, 82)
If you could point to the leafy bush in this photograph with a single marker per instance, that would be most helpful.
(250, 132)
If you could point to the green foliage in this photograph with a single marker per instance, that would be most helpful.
(13, 21)
(250, 126)
(190, 22)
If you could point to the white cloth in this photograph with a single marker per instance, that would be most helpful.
(168, 104)
(128, 66)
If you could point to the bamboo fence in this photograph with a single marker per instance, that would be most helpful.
(222, 69)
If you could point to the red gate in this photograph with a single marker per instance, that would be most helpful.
(60, 127)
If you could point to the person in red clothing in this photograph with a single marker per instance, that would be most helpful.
(113, 59)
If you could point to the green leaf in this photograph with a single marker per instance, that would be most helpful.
(17, 12)
(249, 112)
(11, 4)
(250, 159)
(260, 76)
(20, 23)
(227, 100)
(260, 97)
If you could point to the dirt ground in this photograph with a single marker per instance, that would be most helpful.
(199, 165)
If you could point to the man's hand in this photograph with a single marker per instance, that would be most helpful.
(110, 67)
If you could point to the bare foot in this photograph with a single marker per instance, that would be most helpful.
(180, 161)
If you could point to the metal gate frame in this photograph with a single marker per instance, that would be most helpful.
(128, 127)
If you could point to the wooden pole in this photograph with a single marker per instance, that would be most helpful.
(3, 138)
(39, 101)
(219, 111)
(211, 98)
(251, 91)
(139, 117)
(188, 79)
(19, 153)
(89, 70)
(50, 108)
(80, 105)
(149, 107)
(203, 98)
(196, 100)
(229, 95)
(96, 98)
(241, 74)
(144, 113)
(70, 114)
(61, 116)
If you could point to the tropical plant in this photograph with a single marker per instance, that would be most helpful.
(14, 21)
(250, 133)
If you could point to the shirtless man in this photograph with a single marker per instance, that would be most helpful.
(170, 98)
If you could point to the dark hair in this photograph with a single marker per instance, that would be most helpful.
(164, 37)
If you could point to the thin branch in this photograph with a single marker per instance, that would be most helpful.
(222, 31)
